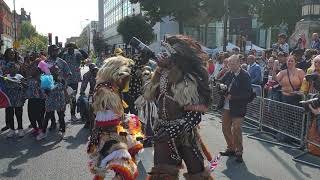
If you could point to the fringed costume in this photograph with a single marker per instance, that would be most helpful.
(112, 144)
(181, 91)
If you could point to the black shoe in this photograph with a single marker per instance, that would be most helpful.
(4, 129)
(239, 159)
(227, 153)
(53, 127)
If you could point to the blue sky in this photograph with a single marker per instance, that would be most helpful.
(63, 18)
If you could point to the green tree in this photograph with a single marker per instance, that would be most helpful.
(27, 30)
(136, 26)
(35, 43)
(182, 12)
(277, 12)
(31, 39)
(190, 12)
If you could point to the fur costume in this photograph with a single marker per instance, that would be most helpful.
(112, 144)
(181, 91)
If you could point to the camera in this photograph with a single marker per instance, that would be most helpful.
(222, 89)
(146, 52)
(315, 103)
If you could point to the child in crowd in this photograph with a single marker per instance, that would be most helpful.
(55, 101)
(36, 102)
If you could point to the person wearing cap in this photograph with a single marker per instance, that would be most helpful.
(73, 57)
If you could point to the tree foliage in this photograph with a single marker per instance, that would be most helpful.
(31, 39)
(35, 43)
(191, 12)
(136, 26)
(27, 30)
(277, 12)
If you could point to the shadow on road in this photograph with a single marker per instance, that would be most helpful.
(239, 171)
(21, 150)
(80, 139)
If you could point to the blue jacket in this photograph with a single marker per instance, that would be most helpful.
(255, 73)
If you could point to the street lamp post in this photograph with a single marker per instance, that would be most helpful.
(225, 24)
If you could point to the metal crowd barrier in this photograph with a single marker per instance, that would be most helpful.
(254, 108)
(284, 119)
(307, 141)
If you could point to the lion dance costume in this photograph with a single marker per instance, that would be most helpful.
(112, 145)
(181, 91)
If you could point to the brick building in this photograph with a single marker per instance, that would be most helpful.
(6, 26)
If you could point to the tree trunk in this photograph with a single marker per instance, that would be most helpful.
(181, 30)
(206, 35)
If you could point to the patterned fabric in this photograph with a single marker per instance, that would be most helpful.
(136, 81)
(33, 89)
(64, 68)
(55, 99)
(15, 92)
(74, 62)
(88, 78)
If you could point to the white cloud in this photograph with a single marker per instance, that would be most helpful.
(63, 18)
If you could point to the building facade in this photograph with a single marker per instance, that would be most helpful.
(6, 26)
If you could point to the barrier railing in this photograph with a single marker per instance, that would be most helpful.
(254, 109)
(284, 119)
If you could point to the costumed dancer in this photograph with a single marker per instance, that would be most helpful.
(111, 145)
(180, 88)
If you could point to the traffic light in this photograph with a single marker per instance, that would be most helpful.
(50, 38)
(57, 40)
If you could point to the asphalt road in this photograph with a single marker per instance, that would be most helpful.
(57, 158)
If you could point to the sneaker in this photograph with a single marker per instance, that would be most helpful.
(53, 127)
(4, 129)
(41, 136)
(227, 153)
(10, 133)
(21, 133)
(239, 159)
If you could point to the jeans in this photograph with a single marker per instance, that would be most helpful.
(10, 112)
(36, 110)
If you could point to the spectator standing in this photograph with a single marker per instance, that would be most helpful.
(314, 69)
(219, 65)
(281, 45)
(254, 70)
(315, 44)
(73, 58)
(235, 107)
(291, 80)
